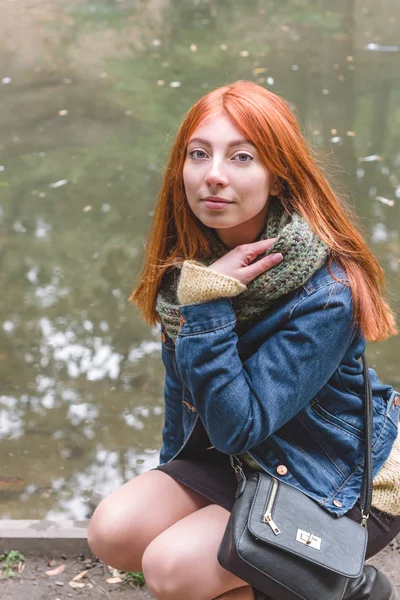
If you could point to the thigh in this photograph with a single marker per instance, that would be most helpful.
(182, 561)
(127, 520)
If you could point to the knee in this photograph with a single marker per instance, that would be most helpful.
(108, 539)
(103, 530)
(164, 573)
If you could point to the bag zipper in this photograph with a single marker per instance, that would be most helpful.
(268, 513)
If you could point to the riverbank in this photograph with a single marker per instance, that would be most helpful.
(59, 565)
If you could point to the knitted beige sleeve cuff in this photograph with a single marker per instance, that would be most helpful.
(198, 284)
(386, 488)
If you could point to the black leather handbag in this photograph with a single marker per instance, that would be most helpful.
(285, 544)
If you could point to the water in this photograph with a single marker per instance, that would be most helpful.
(91, 96)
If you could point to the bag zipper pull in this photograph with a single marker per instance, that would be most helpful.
(268, 519)
(268, 513)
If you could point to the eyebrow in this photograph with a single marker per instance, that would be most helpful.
(233, 143)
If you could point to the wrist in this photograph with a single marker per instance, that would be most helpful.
(199, 283)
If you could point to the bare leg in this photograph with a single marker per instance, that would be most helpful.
(127, 520)
(182, 562)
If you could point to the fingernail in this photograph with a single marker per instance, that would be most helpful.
(276, 258)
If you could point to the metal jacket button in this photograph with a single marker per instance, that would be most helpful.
(337, 503)
(282, 470)
(182, 321)
(396, 401)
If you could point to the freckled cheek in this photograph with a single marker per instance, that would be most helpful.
(190, 181)
(255, 184)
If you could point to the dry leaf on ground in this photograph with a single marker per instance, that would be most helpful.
(57, 571)
(77, 585)
(80, 575)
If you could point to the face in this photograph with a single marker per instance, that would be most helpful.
(221, 163)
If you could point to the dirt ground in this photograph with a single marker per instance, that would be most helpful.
(34, 584)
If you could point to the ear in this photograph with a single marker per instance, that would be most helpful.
(275, 187)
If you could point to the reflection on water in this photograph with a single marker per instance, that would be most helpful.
(92, 93)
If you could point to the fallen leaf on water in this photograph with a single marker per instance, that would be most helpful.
(76, 585)
(58, 183)
(80, 575)
(11, 481)
(114, 580)
(370, 158)
(57, 571)
(385, 200)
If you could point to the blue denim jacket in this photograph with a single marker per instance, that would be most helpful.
(289, 391)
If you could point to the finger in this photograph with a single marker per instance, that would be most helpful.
(266, 263)
(250, 251)
(262, 245)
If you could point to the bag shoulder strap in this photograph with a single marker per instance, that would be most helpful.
(366, 488)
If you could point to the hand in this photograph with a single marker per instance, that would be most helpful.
(236, 262)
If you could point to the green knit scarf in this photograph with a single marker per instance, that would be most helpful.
(303, 254)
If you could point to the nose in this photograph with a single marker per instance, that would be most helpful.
(216, 175)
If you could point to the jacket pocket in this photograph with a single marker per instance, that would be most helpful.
(337, 421)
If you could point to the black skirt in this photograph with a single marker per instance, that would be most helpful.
(204, 469)
(208, 472)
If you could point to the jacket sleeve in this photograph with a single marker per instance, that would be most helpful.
(243, 403)
(172, 433)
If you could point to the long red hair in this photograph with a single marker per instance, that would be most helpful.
(268, 122)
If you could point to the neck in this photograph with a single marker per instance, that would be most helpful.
(244, 233)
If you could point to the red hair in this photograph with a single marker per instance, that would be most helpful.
(268, 122)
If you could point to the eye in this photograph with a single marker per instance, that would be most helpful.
(243, 157)
(200, 154)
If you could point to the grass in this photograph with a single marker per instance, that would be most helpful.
(12, 563)
(133, 577)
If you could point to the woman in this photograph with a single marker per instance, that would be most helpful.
(266, 294)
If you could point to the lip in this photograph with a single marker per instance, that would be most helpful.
(216, 199)
(216, 203)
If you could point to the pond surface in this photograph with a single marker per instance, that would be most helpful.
(91, 96)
